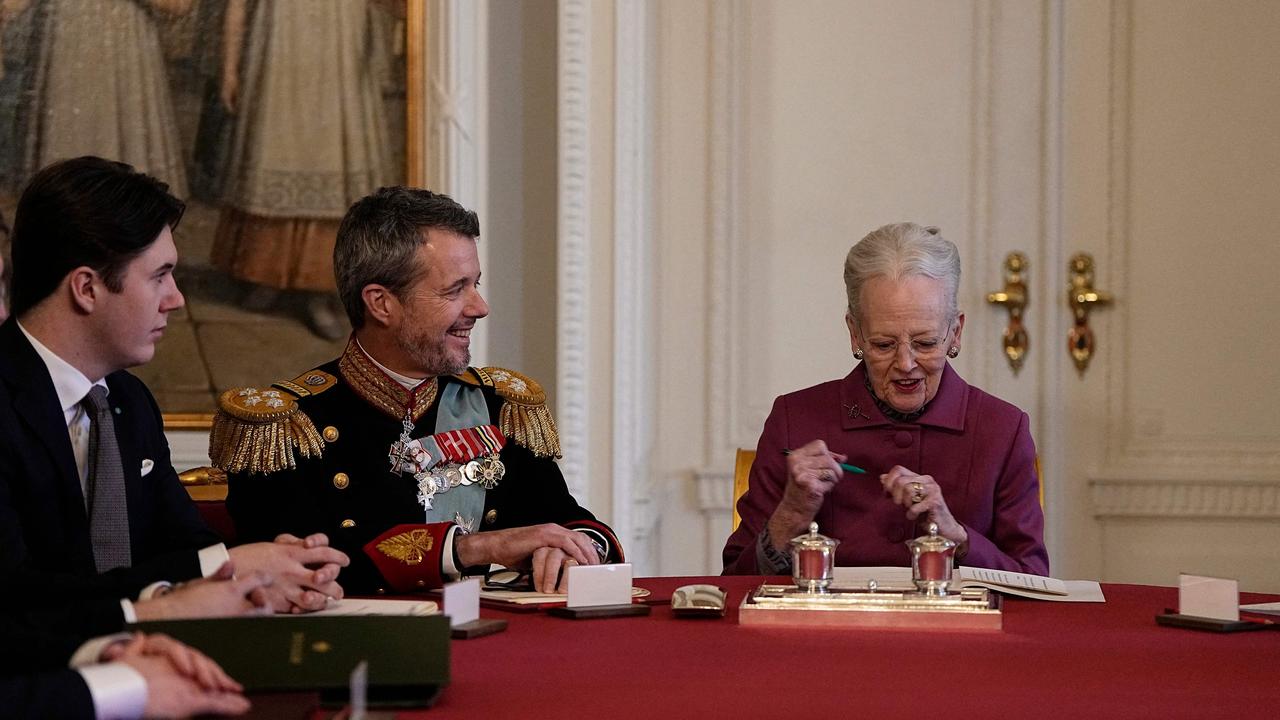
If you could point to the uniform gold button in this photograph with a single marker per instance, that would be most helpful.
(348, 523)
(341, 481)
(422, 583)
(331, 434)
(382, 591)
(491, 517)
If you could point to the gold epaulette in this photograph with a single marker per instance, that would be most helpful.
(256, 430)
(525, 416)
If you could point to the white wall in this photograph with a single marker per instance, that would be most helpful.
(673, 184)
(788, 131)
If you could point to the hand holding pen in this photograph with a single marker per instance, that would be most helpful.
(843, 466)
(812, 471)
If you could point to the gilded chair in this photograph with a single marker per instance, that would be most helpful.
(741, 471)
(207, 486)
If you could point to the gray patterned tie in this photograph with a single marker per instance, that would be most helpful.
(108, 512)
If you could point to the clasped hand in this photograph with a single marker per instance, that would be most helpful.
(180, 680)
(303, 571)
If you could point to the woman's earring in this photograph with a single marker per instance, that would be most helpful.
(953, 352)
(857, 354)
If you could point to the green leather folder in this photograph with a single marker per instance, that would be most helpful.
(408, 656)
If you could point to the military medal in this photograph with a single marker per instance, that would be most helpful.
(449, 459)
(400, 457)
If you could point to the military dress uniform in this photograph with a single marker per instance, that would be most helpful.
(388, 473)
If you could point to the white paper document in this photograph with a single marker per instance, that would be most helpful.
(1006, 580)
(1025, 585)
(1271, 608)
(373, 606)
(529, 597)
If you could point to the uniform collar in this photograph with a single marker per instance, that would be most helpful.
(383, 389)
(946, 410)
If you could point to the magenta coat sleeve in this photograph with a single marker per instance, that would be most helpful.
(1015, 541)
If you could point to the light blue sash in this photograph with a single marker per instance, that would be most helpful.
(461, 406)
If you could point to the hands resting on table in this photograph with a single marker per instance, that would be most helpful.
(545, 549)
(289, 575)
(180, 680)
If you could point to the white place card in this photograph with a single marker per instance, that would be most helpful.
(1208, 597)
(595, 585)
(359, 691)
(462, 601)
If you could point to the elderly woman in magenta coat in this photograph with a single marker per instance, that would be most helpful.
(935, 448)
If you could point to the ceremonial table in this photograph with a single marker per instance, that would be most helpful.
(1076, 660)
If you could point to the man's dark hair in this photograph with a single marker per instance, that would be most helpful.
(380, 235)
(86, 211)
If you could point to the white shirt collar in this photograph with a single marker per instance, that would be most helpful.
(71, 385)
(408, 382)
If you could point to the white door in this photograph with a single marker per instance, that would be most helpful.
(1140, 131)
(1163, 161)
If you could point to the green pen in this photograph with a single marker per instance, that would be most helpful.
(846, 466)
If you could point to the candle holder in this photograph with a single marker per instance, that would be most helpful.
(813, 559)
(931, 557)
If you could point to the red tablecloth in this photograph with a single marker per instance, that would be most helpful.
(1070, 660)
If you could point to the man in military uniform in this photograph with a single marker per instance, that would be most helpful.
(419, 467)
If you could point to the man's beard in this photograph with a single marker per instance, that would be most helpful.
(429, 357)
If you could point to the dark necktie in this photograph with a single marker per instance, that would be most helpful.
(108, 513)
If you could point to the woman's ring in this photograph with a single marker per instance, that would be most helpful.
(917, 492)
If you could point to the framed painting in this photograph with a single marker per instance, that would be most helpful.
(269, 117)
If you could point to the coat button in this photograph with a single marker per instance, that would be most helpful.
(421, 583)
(491, 517)
(381, 591)
(348, 523)
(341, 481)
(331, 434)
(902, 439)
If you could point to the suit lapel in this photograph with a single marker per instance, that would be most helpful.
(36, 405)
(47, 450)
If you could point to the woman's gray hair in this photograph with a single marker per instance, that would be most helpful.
(899, 250)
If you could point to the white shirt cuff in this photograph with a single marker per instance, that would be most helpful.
(119, 692)
(212, 558)
(130, 614)
(91, 651)
(448, 569)
(153, 590)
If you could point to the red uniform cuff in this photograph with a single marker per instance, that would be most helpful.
(408, 556)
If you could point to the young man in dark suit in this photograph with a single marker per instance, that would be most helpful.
(86, 485)
(120, 676)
